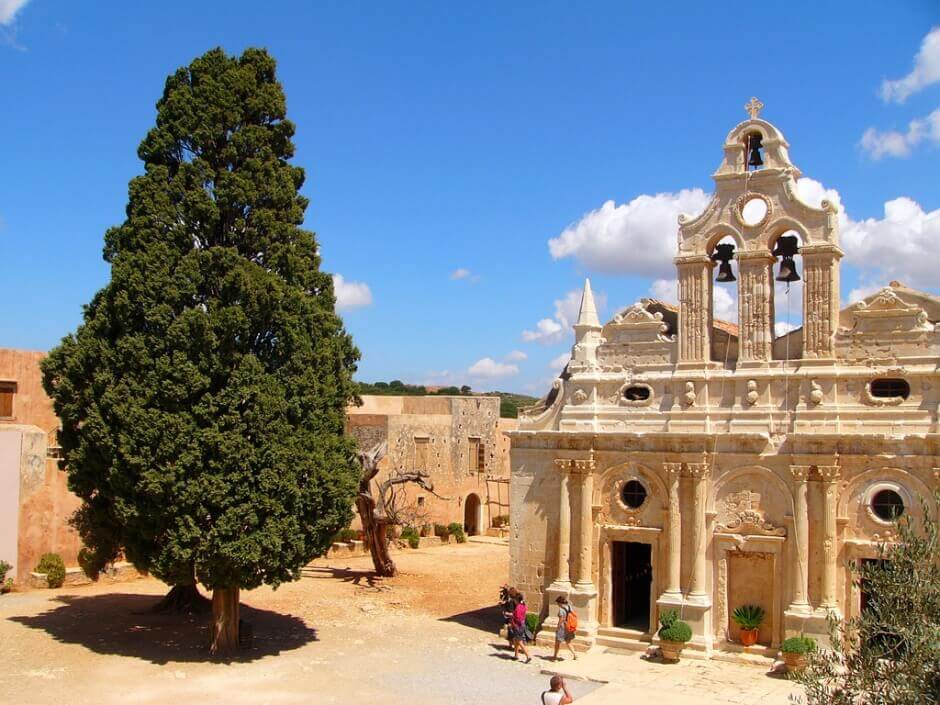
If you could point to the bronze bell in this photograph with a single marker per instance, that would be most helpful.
(787, 246)
(754, 147)
(724, 254)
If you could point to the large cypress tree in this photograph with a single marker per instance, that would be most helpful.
(202, 400)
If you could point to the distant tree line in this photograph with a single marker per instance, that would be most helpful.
(509, 403)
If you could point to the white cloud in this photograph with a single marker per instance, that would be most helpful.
(550, 331)
(638, 237)
(558, 363)
(350, 295)
(862, 292)
(897, 144)
(516, 356)
(904, 245)
(782, 327)
(488, 368)
(9, 9)
(926, 71)
(462, 273)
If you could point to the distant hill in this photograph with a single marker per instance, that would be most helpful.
(509, 405)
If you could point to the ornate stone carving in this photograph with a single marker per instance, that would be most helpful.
(829, 473)
(743, 199)
(815, 392)
(579, 397)
(800, 473)
(741, 514)
(872, 400)
(752, 396)
(622, 399)
(689, 395)
(698, 471)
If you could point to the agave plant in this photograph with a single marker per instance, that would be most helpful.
(748, 616)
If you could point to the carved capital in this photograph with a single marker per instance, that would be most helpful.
(829, 473)
(800, 473)
(698, 471)
(583, 467)
(702, 260)
(564, 464)
(673, 470)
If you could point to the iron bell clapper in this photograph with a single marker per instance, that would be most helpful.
(723, 254)
(787, 246)
(754, 147)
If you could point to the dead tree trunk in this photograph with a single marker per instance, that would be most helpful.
(374, 512)
(374, 522)
(225, 619)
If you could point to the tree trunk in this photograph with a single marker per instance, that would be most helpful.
(225, 618)
(183, 599)
(375, 531)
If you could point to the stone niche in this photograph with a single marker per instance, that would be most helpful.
(751, 582)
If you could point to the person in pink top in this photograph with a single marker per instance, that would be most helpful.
(517, 629)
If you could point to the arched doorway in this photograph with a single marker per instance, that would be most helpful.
(472, 515)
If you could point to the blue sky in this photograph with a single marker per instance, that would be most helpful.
(441, 138)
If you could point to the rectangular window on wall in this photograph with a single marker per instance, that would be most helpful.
(7, 392)
(481, 456)
(473, 454)
(422, 456)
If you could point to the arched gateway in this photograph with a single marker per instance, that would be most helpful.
(682, 462)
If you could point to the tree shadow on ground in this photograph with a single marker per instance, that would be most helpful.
(487, 619)
(123, 624)
(360, 578)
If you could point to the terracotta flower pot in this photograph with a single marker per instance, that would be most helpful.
(748, 637)
(671, 650)
(795, 662)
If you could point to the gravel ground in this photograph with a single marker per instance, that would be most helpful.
(427, 636)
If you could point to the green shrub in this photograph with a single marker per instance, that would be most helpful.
(442, 531)
(52, 565)
(500, 521)
(345, 536)
(671, 628)
(748, 616)
(6, 586)
(4, 569)
(798, 645)
(532, 622)
(456, 530)
(410, 535)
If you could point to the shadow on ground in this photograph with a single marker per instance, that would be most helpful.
(121, 624)
(487, 619)
(362, 578)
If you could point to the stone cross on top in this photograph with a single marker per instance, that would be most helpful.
(754, 107)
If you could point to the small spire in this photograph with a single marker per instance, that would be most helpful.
(587, 316)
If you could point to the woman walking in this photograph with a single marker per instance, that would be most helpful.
(564, 635)
(517, 629)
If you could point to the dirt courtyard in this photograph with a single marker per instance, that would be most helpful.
(427, 636)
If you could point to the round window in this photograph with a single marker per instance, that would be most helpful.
(887, 505)
(754, 211)
(633, 494)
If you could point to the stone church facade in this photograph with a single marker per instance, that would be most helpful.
(681, 462)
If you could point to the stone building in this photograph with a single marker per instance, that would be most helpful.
(681, 462)
(460, 441)
(35, 503)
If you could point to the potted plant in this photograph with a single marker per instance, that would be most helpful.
(749, 619)
(794, 652)
(674, 634)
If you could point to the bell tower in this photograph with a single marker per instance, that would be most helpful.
(757, 206)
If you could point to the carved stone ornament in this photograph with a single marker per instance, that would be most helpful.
(637, 313)
(579, 397)
(614, 512)
(752, 395)
(742, 200)
(815, 392)
(689, 395)
(741, 514)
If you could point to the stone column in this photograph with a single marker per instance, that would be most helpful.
(562, 577)
(755, 306)
(586, 525)
(674, 565)
(829, 479)
(799, 586)
(697, 583)
(695, 308)
(820, 299)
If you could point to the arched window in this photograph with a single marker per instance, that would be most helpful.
(724, 302)
(788, 296)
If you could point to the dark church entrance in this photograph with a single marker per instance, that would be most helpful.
(631, 577)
